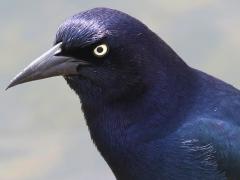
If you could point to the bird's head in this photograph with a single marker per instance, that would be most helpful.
(101, 51)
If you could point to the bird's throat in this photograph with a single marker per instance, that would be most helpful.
(119, 130)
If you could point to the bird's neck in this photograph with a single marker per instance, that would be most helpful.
(119, 129)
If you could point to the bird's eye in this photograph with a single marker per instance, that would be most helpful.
(100, 50)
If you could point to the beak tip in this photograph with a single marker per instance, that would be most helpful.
(15, 81)
(10, 85)
(18, 79)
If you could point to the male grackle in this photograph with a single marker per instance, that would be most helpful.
(151, 116)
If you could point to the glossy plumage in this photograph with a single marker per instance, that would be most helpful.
(151, 116)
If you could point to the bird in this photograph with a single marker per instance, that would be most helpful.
(150, 115)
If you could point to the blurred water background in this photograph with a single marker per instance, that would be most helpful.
(43, 135)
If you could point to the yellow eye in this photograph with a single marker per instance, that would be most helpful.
(100, 50)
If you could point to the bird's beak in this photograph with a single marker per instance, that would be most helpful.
(48, 65)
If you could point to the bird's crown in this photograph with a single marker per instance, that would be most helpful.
(93, 25)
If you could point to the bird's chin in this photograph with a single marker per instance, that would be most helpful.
(80, 84)
(71, 77)
(74, 81)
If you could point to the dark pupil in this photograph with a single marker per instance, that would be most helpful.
(99, 49)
